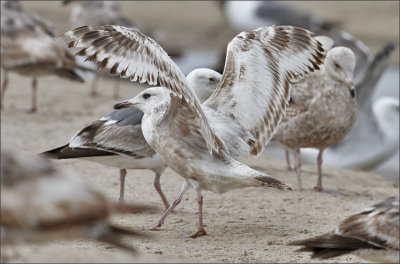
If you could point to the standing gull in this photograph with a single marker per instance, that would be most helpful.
(321, 110)
(372, 234)
(375, 135)
(201, 142)
(28, 47)
(40, 203)
(117, 140)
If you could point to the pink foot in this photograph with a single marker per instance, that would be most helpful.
(198, 233)
(153, 226)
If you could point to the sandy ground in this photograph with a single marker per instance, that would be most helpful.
(246, 225)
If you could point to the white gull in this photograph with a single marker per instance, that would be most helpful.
(201, 142)
(116, 140)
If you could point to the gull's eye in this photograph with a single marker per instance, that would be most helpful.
(211, 79)
(146, 95)
(337, 66)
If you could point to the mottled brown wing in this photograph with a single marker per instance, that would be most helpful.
(377, 225)
(330, 245)
(130, 54)
(255, 86)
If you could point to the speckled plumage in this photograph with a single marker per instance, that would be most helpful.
(117, 140)
(322, 109)
(372, 234)
(201, 142)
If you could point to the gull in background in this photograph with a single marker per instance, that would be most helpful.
(322, 109)
(116, 140)
(375, 135)
(372, 234)
(39, 203)
(202, 142)
(246, 15)
(29, 47)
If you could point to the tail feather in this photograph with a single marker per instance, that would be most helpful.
(265, 180)
(65, 152)
(255, 178)
(330, 245)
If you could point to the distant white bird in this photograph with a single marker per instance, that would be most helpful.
(374, 137)
(116, 140)
(39, 203)
(28, 47)
(322, 109)
(201, 142)
(372, 234)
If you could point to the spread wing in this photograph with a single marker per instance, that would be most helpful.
(130, 54)
(259, 67)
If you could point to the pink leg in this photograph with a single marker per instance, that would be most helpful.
(319, 163)
(3, 87)
(297, 164)
(319, 187)
(93, 91)
(116, 88)
(186, 186)
(200, 230)
(160, 192)
(34, 92)
(289, 168)
(122, 175)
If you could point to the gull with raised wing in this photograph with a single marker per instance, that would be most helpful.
(202, 142)
(39, 203)
(29, 47)
(116, 140)
(373, 234)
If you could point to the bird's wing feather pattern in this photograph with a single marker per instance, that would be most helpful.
(107, 134)
(377, 225)
(254, 89)
(130, 54)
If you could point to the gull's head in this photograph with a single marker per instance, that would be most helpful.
(340, 63)
(146, 100)
(203, 82)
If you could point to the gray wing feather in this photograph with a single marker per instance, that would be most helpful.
(125, 116)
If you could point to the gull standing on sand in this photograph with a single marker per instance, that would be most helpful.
(28, 47)
(375, 135)
(322, 109)
(117, 140)
(40, 203)
(201, 142)
(372, 234)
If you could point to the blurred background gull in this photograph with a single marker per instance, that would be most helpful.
(202, 29)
